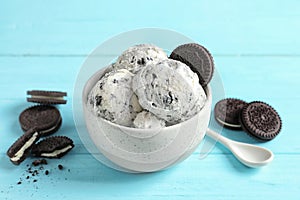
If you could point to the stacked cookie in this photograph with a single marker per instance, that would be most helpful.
(39, 121)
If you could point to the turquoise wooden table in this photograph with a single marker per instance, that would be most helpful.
(256, 48)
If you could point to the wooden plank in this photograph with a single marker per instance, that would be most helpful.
(215, 177)
(73, 28)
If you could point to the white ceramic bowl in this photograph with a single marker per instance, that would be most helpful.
(145, 150)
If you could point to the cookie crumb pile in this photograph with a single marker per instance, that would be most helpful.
(38, 168)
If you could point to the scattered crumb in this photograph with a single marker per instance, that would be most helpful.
(39, 162)
(60, 167)
(37, 168)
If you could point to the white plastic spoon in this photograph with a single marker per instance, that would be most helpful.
(249, 155)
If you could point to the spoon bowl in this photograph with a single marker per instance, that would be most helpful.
(250, 155)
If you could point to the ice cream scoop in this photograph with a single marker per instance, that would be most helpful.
(113, 98)
(170, 90)
(148, 120)
(138, 56)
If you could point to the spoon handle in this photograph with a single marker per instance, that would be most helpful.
(219, 138)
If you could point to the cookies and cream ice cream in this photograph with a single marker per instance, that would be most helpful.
(113, 98)
(170, 90)
(145, 89)
(146, 119)
(138, 56)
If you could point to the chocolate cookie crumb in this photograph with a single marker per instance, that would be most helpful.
(44, 161)
(39, 162)
(60, 167)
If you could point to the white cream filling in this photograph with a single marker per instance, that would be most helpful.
(20, 153)
(227, 124)
(45, 97)
(50, 129)
(57, 152)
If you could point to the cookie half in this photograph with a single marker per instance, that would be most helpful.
(260, 120)
(21, 148)
(53, 147)
(197, 58)
(227, 112)
(46, 97)
(45, 118)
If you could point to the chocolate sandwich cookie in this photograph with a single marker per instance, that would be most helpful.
(227, 112)
(21, 148)
(46, 97)
(197, 58)
(45, 118)
(53, 147)
(260, 120)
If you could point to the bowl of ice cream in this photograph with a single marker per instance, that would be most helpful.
(146, 112)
